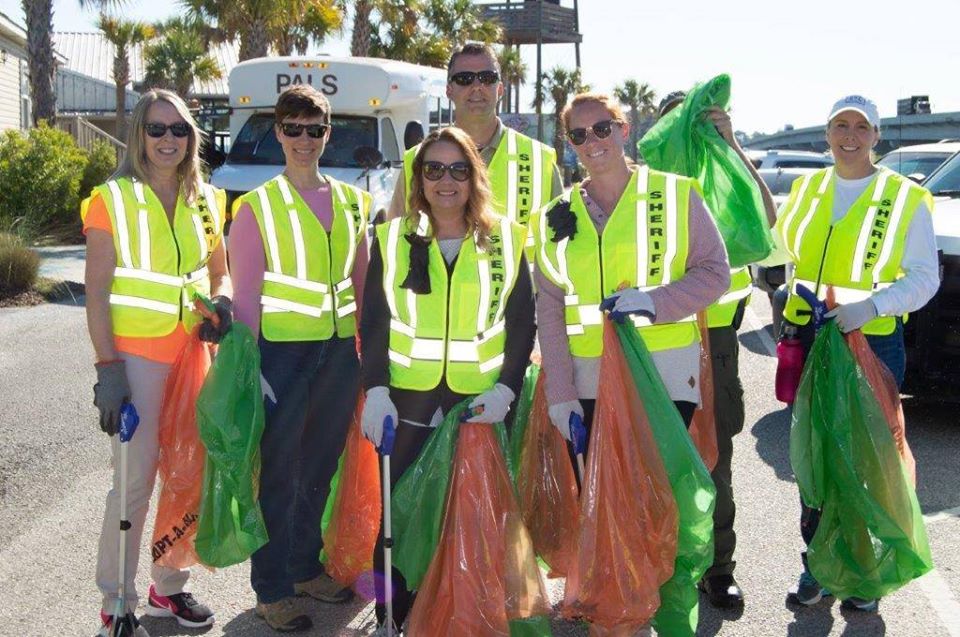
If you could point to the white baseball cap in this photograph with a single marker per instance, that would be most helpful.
(857, 103)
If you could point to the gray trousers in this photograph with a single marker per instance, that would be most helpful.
(729, 415)
(146, 380)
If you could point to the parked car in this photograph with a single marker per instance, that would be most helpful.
(932, 335)
(765, 159)
(919, 161)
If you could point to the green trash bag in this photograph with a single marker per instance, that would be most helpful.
(871, 539)
(230, 423)
(519, 429)
(418, 500)
(692, 486)
(686, 143)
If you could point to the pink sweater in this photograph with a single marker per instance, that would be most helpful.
(248, 261)
(706, 279)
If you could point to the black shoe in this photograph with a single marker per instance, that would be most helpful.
(722, 591)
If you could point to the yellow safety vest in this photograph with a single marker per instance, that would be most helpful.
(458, 330)
(521, 178)
(858, 255)
(722, 312)
(307, 291)
(644, 244)
(159, 265)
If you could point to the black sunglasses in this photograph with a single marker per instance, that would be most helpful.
(434, 170)
(601, 129)
(158, 130)
(315, 131)
(466, 78)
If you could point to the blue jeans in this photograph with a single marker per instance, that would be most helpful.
(316, 384)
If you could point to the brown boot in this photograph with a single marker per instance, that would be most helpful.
(283, 617)
(325, 589)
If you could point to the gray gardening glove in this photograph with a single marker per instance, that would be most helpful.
(110, 393)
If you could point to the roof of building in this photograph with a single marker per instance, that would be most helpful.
(12, 30)
(91, 54)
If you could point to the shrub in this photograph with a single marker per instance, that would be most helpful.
(101, 163)
(18, 266)
(40, 182)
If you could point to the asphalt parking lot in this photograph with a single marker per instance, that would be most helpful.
(54, 474)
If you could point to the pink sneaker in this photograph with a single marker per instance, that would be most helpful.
(188, 611)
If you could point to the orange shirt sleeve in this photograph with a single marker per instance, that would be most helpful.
(97, 216)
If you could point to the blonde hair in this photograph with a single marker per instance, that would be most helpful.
(480, 219)
(604, 100)
(135, 162)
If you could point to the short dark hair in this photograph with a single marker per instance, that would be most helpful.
(302, 100)
(671, 101)
(475, 48)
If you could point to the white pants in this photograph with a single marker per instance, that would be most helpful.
(146, 380)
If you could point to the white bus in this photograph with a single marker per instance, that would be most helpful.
(377, 104)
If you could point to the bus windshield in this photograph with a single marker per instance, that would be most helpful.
(257, 141)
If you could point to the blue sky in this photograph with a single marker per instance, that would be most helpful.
(789, 61)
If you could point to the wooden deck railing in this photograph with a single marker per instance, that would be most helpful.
(85, 134)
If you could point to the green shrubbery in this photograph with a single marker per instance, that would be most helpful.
(18, 266)
(43, 176)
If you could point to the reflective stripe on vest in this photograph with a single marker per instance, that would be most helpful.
(723, 311)
(644, 245)
(160, 265)
(307, 287)
(458, 331)
(859, 254)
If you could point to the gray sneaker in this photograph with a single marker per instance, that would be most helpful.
(863, 605)
(808, 590)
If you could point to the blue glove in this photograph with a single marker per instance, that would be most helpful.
(628, 301)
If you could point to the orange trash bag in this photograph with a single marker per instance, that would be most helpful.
(484, 573)
(703, 427)
(181, 458)
(627, 544)
(547, 488)
(350, 536)
(885, 389)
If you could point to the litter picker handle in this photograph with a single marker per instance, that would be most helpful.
(578, 432)
(817, 307)
(129, 420)
(389, 436)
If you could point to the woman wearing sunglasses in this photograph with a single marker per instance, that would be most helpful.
(631, 240)
(448, 311)
(298, 253)
(154, 235)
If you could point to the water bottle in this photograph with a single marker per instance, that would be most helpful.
(789, 365)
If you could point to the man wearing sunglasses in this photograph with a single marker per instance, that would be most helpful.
(723, 320)
(523, 172)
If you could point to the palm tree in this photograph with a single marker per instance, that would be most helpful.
(561, 84)
(123, 34)
(178, 58)
(40, 56)
(259, 24)
(640, 98)
(514, 72)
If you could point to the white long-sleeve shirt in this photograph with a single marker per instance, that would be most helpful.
(919, 262)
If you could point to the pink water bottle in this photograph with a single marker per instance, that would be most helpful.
(789, 365)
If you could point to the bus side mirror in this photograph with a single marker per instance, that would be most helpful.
(413, 134)
(367, 157)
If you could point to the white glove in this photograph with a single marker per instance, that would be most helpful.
(560, 416)
(267, 390)
(376, 408)
(853, 316)
(629, 301)
(492, 405)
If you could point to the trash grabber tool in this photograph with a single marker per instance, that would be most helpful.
(579, 434)
(818, 308)
(124, 620)
(385, 449)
